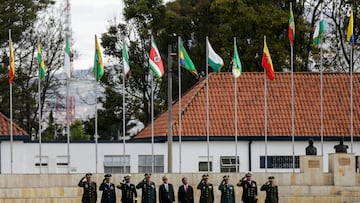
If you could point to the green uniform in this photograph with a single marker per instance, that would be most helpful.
(89, 193)
(227, 193)
(148, 191)
(272, 195)
(206, 192)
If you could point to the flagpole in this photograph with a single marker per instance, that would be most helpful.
(265, 116)
(39, 112)
(235, 118)
(321, 97)
(124, 112)
(207, 103)
(179, 78)
(67, 114)
(351, 99)
(292, 102)
(152, 122)
(11, 114)
(96, 117)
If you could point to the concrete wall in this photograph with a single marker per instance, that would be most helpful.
(82, 155)
(54, 188)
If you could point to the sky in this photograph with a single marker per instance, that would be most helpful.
(90, 17)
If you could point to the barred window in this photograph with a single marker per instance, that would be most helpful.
(44, 161)
(117, 164)
(229, 164)
(145, 163)
(203, 166)
(279, 162)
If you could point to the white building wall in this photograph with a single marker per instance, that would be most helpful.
(82, 157)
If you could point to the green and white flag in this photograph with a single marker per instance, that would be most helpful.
(214, 60)
(236, 64)
(67, 58)
(319, 31)
(125, 56)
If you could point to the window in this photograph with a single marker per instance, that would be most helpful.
(279, 162)
(44, 161)
(62, 161)
(145, 163)
(228, 164)
(117, 164)
(203, 166)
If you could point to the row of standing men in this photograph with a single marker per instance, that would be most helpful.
(185, 191)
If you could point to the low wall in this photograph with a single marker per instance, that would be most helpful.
(56, 188)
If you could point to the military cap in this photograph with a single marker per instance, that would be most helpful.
(205, 176)
(127, 177)
(147, 175)
(271, 177)
(107, 175)
(225, 177)
(88, 174)
(249, 174)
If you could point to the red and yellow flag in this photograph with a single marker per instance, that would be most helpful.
(267, 63)
(12, 63)
(291, 29)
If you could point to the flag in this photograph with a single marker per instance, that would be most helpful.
(236, 64)
(350, 31)
(98, 68)
(67, 58)
(155, 61)
(291, 29)
(12, 63)
(319, 30)
(267, 63)
(214, 60)
(185, 60)
(125, 56)
(41, 62)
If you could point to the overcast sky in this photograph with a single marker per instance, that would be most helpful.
(90, 17)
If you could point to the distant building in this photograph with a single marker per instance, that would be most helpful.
(251, 144)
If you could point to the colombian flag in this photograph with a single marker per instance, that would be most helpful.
(267, 63)
(350, 32)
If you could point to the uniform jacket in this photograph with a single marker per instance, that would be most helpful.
(148, 191)
(166, 196)
(89, 191)
(272, 195)
(249, 190)
(128, 192)
(185, 196)
(206, 192)
(108, 194)
(227, 193)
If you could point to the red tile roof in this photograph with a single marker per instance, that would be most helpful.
(5, 127)
(250, 95)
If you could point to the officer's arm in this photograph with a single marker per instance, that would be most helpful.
(172, 193)
(135, 192)
(179, 194)
(264, 187)
(212, 193)
(256, 189)
(159, 194)
(277, 194)
(200, 184)
(155, 192)
(221, 186)
(241, 182)
(95, 192)
(81, 182)
(102, 185)
(140, 185)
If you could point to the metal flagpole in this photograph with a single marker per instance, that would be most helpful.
(11, 114)
(68, 19)
(124, 112)
(265, 116)
(292, 103)
(152, 122)
(39, 112)
(351, 99)
(170, 133)
(207, 103)
(321, 99)
(236, 118)
(96, 118)
(179, 78)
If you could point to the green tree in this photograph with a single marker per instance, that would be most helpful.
(77, 131)
(49, 132)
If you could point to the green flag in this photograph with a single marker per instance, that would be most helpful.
(41, 62)
(236, 64)
(185, 60)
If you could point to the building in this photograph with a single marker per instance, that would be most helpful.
(250, 149)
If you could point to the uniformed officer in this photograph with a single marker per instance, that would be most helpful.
(128, 191)
(206, 190)
(89, 193)
(108, 188)
(227, 191)
(148, 189)
(271, 189)
(249, 187)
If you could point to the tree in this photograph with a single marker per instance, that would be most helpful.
(77, 131)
